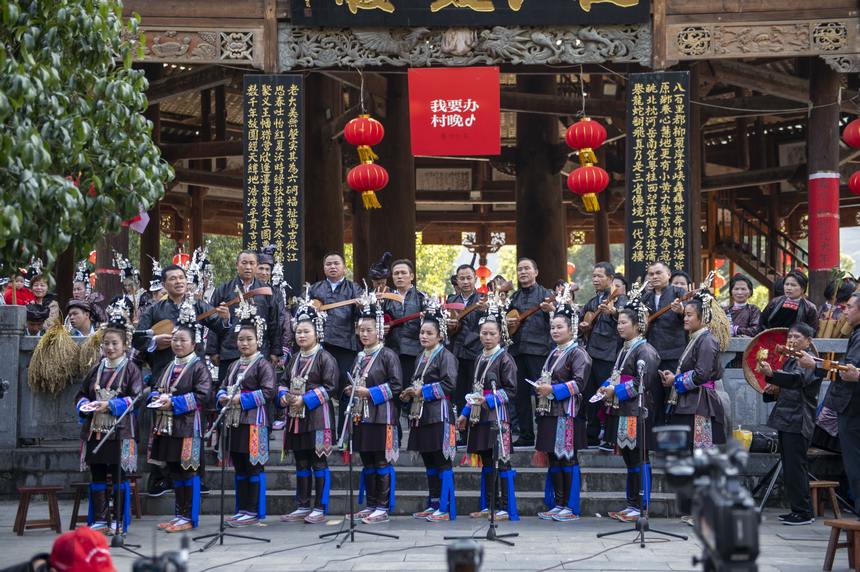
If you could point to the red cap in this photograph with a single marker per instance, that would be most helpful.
(81, 550)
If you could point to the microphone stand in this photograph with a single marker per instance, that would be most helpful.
(641, 525)
(492, 535)
(225, 433)
(346, 434)
(118, 539)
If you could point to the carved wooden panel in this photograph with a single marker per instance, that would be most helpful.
(189, 45)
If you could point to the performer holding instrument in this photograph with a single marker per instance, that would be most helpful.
(561, 421)
(431, 416)
(311, 379)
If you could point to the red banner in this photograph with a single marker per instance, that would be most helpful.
(455, 111)
(823, 221)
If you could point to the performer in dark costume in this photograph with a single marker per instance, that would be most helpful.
(178, 399)
(486, 408)
(745, 318)
(561, 423)
(311, 379)
(107, 391)
(376, 382)
(793, 306)
(248, 390)
(431, 416)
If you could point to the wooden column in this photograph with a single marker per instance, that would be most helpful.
(822, 148)
(601, 230)
(150, 240)
(220, 123)
(696, 173)
(540, 212)
(392, 228)
(108, 281)
(64, 270)
(323, 220)
(197, 193)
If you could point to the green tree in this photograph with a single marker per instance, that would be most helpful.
(434, 265)
(76, 155)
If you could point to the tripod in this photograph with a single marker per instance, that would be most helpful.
(118, 539)
(346, 433)
(642, 525)
(225, 451)
(492, 535)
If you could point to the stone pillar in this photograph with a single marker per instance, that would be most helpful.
(822, 149)
(541, 214)
(323, 219)
(12, 323)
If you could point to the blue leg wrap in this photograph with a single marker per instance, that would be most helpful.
(389, 470)
(646, 486)
(361, 482)
(508, 476)
(575, 485)
(125, 492)
(326, 487)
(261, 503)
(94, 487)
(483, 500)
(447, 500)
(549, 489)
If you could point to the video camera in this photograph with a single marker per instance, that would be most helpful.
(709, 487)
(172, 561)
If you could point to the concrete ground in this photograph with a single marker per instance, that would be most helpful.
(540, 546)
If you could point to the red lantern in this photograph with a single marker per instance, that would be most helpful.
(854, 183)
(851, 134)
(366, 179)
(718, 262)
(483, 272)
(587, 182)
(586, 135)
(364, 132)
(182, 259)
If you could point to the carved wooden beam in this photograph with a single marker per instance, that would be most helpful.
(197, 79)
(559, 105)
(208, 179)
(201, 150)
(375, 84)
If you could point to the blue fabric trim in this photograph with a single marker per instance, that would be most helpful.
(606, 383)
(182, 404)
(377, 395)
(261, 505)
(389, 470)
(248, 400)
(221, 393)
(432, 471)
(94, 487)
(125, 491)
(512, 496)
(560, 391)
(304, 473)
(361, 481)
(491, 401)
(621, 392)
(646, 486)
(311, 399)
(117, 406)
(575, 486)
(325, 472)
(281, 394)
(448, 499)
(432, 391)
(549, 489)
(466, 411)
(483, 499)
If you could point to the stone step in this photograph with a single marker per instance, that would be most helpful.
(529, 503)
(465, 478)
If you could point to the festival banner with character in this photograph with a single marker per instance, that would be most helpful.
(273, 146)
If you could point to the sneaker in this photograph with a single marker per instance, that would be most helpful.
(606, 447)
(688, 520)
(565, 515)
(236, 516)
(423, 514)
(631, 515)
(547, 515)
(297, 515)
(502, 515)
(244, 520)
(377, 517)
(100, 526)
(480, 513)
(315, 517)
(439, 516)
(159, 489)
(181, 525)
(784, 516)
(614, 515)
(168, 524)
(278, 425)
(363, 513)
(795, 519)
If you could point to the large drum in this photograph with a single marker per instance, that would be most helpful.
(763, 348)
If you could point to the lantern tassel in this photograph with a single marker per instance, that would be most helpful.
(591, 203)
(370, 201)
(587, 157)
(366, 154)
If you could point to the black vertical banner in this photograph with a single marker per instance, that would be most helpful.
(658, 172)
(274, 177)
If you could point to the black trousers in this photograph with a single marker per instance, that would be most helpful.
(600, 372)
(795, 471)
(659, 395)
(849, 441)
(465, 374)
(344, 359)
(528, 367)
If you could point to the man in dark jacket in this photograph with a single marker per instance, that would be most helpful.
(531, 343)
(221, 347)
(465, 344)
(795, 388)
(845, 400)
(666, 333)
(603, 340)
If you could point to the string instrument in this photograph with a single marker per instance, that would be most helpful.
(686, 297)
(588, 319)
(824, 363)
(522, 317)
(507, 287)
(408, 318)
(324, 307)
(165, 327)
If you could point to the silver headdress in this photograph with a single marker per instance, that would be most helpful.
(436, 313)
(188, 318)
(82, 274)
(155, 283)
(635, 303)
(199, 269)
(247, 315)
(34, 269)
(307, 312)
(126, 268)
(119, 318)
(372, 308)
(497, 309)
(564, 306)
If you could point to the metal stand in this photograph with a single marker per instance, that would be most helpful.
(225, 451)
(351, 531)
(492, 535)
(642, 525)
(118, 539)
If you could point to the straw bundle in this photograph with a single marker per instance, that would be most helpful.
(719, 326)
(90, 353)
(55, 361)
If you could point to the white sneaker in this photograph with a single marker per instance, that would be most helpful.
(378, 516)
(565, 515)
(547, 515)
(297, 515)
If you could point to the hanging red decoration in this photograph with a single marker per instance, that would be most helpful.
(851, 134)
(182, 259)
(586, 135)
(366, 179)
(587, 182)
(571, 268)
(854, 183)
(483, 273)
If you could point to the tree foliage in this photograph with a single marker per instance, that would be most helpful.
(76, 153)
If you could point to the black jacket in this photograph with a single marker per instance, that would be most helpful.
(128, 383)
(502, 373)
(666, 333)
(322, 374)
(441, 370)
(845, 395)
(776, 315)
(259, 376)
(403, 339)
(197, 382)
(532, 336)
(646, 353)
(384, 371)
(575, 367)
(603, 339)
(466, 343)
(224, 344)
(340, 322)
(794, 411)
(702, 362)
